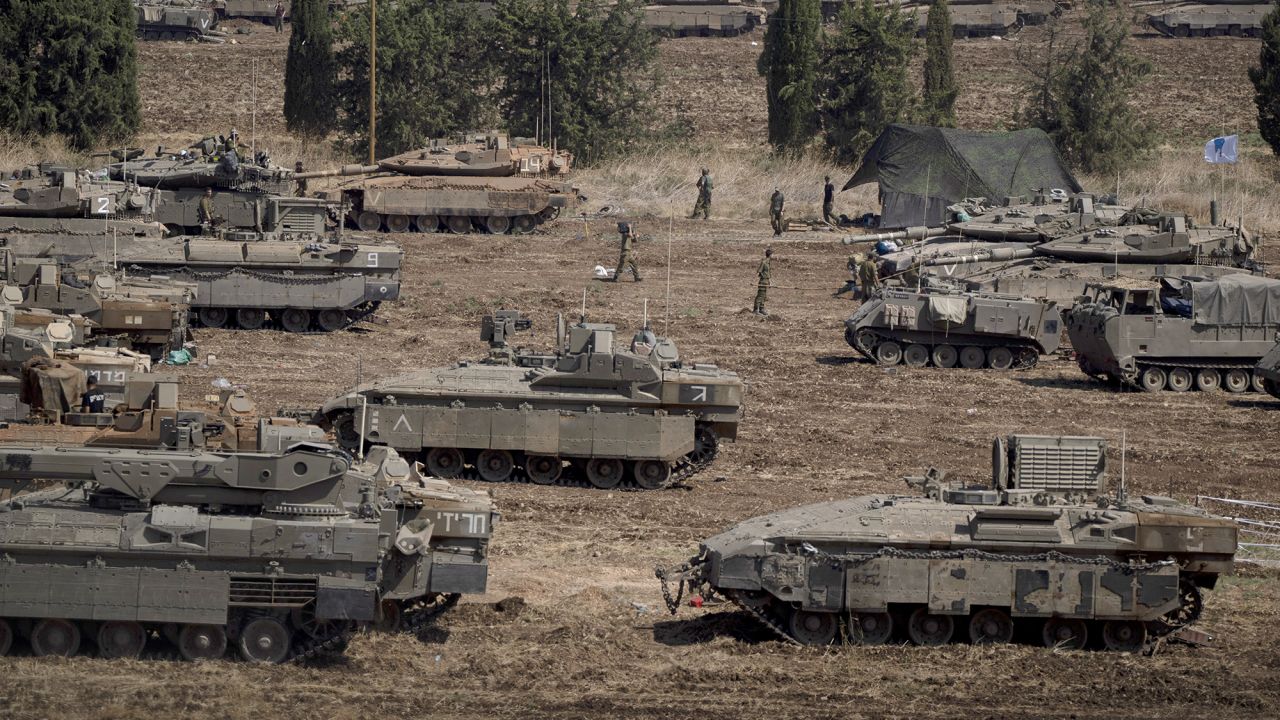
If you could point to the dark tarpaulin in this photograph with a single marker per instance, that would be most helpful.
(921, 170)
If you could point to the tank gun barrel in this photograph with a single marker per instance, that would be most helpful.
(344, 171)
(911, 233)
(993, 255)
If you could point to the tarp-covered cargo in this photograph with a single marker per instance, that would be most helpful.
(1237, 300)
(921, 170)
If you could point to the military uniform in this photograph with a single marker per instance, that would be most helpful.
(828, 201)
(626, 257)
(762, 288)
(703, 205)
(205, 212)
(868, 276)
(775, 211)
(851, 284)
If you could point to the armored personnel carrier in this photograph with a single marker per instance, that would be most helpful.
(1040, 547)
(300, 286)
(1182, 334)
(177, 20)
(680, 18)
(1268, 369)
(279, 553)
(611, 414)
(1208, 18)
(949, 329)
(481, 182)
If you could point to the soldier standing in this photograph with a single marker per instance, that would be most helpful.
(279, 17)
(828, 200)
(205, 212)
(868, 276)
(853, 263)
(762, 286)
(626, 257)
(775, 211)
(704, 196)
(302, 183)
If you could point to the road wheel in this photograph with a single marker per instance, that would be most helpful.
(1124, 635)
(888, 353)
(202, 642)
(369, 221)
(915, 355)
(927, 629)
(54, 637)
(1207, 380)
(458, 224)
(1258, 383)
(295, 320)
(6, 637)
(265, 640)
(444, 462)
(1065, 633)
(651, 474)
(1236, 380)
(495, 465)
(972, 357)
(331, 319)
(523, 224)
(990, 627)
(121, 639)
(1180, 379)
(427, 223)
(1000, 358)
(870, 628)
(251, 318)
(813, 628)
(398, 223)
(945, 356)
(213, 317)
(604, 473)
(390, 616)
(497, 224)
(543, 469)
(1153, 379)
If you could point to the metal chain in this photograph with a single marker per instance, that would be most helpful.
(975, 554)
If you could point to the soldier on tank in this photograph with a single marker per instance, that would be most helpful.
(775, 211)
(279, 17)
(302, 184)
(626, 254)
(762, 285)
(868, 275)
(852, 283)
(205, 212)
(828, 200)
(703, 205)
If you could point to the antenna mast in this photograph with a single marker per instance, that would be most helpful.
(671, 221)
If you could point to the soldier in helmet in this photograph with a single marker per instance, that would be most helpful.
(869, 275)
(775, 210)
(704, 196)
(205, 212)
(762, 285)
(626, 255)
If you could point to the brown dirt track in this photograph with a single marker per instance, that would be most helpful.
(594, 640)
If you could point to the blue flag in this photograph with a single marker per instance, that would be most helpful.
(1221, 149)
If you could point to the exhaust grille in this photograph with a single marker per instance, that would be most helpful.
(271, 592)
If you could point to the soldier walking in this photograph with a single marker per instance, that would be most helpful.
(626, 256)
(828, 200)
(868, 276)
(703, 205)
(762, 286)
(205, 212)
(279, 17)
(775, 211)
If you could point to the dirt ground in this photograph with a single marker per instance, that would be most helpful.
(593, 639)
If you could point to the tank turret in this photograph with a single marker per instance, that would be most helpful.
(1040, 546)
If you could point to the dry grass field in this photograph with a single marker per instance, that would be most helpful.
(592, 639)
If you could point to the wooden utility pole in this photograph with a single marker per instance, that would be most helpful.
(373, 81)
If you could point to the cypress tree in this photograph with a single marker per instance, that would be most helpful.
(1266, 80)
(69, 68)
(789, 64)
(309, 106)
(938, 106)
(864, 76)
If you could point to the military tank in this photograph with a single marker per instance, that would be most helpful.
(48, 202)
(1040, 547)
(280, 554)
(483, 182)
(1268, 368)
(948, 329)
(1179, 334)
(300, 286)
(1208, 18)
(177, 20)
(640, 414)
(683, 18)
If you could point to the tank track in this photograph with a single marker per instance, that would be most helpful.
(765, 620)
(1025, 355)
(683, 469)
(332, 643)
(416, 618)
(1134, 379)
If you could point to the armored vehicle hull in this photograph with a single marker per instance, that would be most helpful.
(1183, 335)
(948, 329)
(703, 19)
(1268, 369)
(1180, 20)
(1039, 548)
(614, 416)
(177, 21)
(279, 555)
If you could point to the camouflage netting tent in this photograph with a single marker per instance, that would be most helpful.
(921, 170)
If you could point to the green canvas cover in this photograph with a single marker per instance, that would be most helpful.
(1237, 300)
(921, 170)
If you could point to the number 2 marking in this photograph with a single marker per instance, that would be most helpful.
(102, 206)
